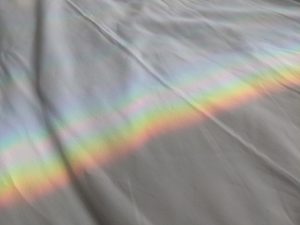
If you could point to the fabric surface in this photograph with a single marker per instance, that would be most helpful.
(149, 112)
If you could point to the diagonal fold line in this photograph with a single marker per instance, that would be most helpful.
(113, 38)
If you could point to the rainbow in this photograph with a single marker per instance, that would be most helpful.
(208, 90)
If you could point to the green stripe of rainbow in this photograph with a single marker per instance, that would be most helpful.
(39, 178)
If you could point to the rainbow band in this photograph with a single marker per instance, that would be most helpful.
(37, 178)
